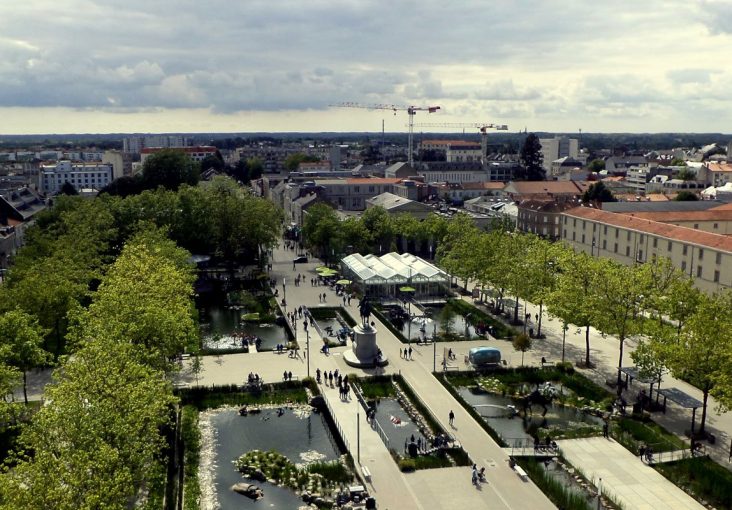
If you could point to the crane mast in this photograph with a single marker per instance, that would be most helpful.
(411, 112)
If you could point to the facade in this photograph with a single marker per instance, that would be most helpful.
(395, 204)
(441, 171)
(558, 147)
(352, 194)
(704, 256)
(542, 217)
(135, 144)
(522, 190)
(81, 176)
(121, 163)
(196, 153)
(715, 174)
(458, 153)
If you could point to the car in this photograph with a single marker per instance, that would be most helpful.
(302, 259)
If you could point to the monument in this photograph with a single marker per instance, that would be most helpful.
(365, 353)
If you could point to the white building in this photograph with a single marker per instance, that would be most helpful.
(80, 175)
(558, 147)
(135, 144)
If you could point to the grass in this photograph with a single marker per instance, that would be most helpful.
(500, 329)
(555, 490)
(631, 433)
(373, 389)
(703, 478)
(330, 312)
(191, 439)
(208, 397)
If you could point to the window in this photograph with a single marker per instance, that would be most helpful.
(698, 271)
(686, 249)
(628, 236)
(716, 226)
(655, 242)
(640, 255)
(583, 239)
(627, 251)
(716, 276)
(701, 254)
(605, 230)
(719, 258)
(574, 222)
(357, 189)
(604, 244)
(670, 244)
(616, 248)
(584, 224)
(565, 233)
(574, 236)
(565, 221)
(683, 265)
(696, 225)
(642, 237)
(371, 189)
(617, 233)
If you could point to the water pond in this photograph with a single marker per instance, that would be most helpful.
(432, 323)
(297, 433)
(496, 412)
(222, 327)
(397, 425)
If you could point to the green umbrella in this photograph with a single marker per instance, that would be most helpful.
(407, 289)
(343, 282)
(254, 316)
(322, 268)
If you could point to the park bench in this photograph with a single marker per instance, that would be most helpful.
(366, 473)
(520, 471)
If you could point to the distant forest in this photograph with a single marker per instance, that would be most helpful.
(619, 142)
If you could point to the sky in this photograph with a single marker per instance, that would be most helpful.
(108, 66)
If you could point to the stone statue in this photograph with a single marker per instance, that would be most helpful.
(365, 310)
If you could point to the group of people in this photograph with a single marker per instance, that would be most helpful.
(646, 453)
(478, 475)
(406, 353)
(254, 379)
(549, 443)
(287, 376)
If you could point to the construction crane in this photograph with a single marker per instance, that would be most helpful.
(482, 126)
(411, 111)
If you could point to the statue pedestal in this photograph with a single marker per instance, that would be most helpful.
(365, 352)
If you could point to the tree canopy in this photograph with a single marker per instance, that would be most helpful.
(532, 158)
(598, 192)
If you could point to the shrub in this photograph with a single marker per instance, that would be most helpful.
(191, 439)
(407, 465)
(560, 495)
(705, 479)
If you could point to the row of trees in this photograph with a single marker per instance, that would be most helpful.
(680, 329)
(97, 442)
(375, 231)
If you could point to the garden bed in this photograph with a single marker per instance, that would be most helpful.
(702, 478)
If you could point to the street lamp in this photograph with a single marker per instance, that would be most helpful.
(307, 349)
(284, 293)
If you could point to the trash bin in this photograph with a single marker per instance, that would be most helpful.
(531, 332)
(370, 504)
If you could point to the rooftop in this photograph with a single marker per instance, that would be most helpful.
(645, 226)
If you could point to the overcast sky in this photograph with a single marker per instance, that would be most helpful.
(70, 66)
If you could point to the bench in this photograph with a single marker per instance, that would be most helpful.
(522, 474)
(366, 473)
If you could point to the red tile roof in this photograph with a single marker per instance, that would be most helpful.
(672, 216)
(484, 185)
(683, 234)
(719, 167)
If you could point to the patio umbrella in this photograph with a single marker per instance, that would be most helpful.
(328, 272)
(407, 289)
(343, 282)
(254, 316)
(322, 268)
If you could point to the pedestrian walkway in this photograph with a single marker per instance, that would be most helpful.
(633, 484)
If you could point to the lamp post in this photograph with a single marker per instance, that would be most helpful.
(564, 337)
(307, 349)
(284, 293)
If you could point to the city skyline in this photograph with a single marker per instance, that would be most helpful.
(92, 67)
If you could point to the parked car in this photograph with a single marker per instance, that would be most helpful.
(302, 259)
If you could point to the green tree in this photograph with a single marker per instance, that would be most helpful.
(215, 162)
(169, 168)
(256, 168)
(292, 162)
(68, 189)
(618, 300)
(380, 224)
(10, 410)
(686, 174)
(596, 165)
(678, 162)
(686, 196)
(20, 344)
(532, 158)
(522, 343)
(597, 192)
(355, 235)
(322, 231)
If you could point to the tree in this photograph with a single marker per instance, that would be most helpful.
(522, 343)
(96, 441)
(20, 344)
(532, 158)
(618, 300)
(571, 298)
(700, 352)
(596, 165)
(678, 162)
(686, 174)
(686, 196)
(213, 161)
(321, 230)
(68, 189)
(169, 168)
(124, 186)
(598, 192)
(292, 162)
(256, 168)
(196, 366)
(379, 222)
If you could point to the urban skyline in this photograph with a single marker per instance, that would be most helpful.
(92, 67)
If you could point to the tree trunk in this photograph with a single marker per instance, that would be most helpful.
(541, 312)
(587, 347)
(704, 410)
(620, 365)
(522, 358)
(25, 387)
(515, 311)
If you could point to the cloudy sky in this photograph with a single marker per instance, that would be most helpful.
(71, 66)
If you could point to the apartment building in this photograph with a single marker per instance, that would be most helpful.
(558, 147)
(542, 217)
(196, 153)
(704, 256)
(81, 176)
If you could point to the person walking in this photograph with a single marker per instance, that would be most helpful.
(452, 417)
(410, 352)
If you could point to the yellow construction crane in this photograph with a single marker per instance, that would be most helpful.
(482, 126)
(411, 111)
